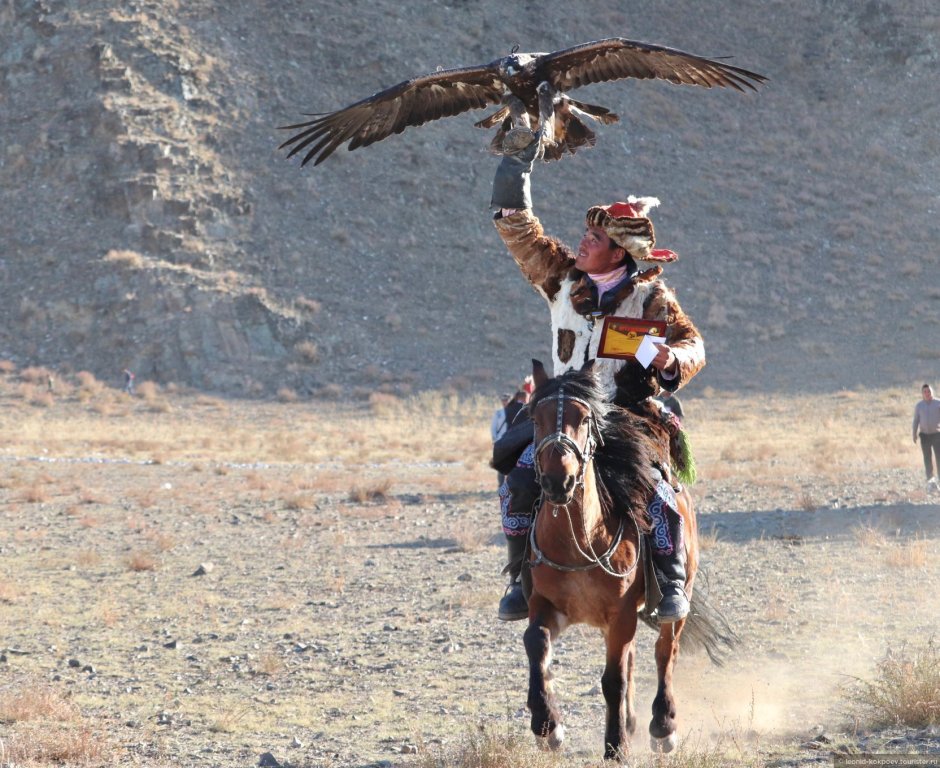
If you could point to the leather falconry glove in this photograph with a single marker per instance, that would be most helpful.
(512, 187)
(521, 147)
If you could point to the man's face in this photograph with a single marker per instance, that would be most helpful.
(927, 393)
(597, 252)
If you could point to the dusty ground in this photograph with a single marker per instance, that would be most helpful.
(331, 631)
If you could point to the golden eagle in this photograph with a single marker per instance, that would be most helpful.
(512, 82)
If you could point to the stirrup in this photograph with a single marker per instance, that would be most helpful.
(680, 604)
(513, 606)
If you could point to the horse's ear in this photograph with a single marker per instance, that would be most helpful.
(539, 377)
(588, 367)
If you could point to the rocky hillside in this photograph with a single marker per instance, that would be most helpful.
(149, 220)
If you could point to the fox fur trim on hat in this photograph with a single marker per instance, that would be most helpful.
(628, 225)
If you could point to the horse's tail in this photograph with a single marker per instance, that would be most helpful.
(705, 627)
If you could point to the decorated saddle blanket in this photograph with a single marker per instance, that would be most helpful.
(663, 500)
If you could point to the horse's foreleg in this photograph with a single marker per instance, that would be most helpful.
(617, 684)
(663, 737)
(631, 690)
(545, 622)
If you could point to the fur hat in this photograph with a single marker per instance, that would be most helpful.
(627, 224)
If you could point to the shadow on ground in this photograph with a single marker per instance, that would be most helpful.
(824, 523)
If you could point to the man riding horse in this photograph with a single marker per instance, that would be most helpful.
(601, 279)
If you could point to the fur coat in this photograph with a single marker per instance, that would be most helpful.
(549, 266)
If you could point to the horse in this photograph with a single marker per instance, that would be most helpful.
(595, 463)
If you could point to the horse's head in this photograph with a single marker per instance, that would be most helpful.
(568, 414)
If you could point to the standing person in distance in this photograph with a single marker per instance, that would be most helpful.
(927, 424)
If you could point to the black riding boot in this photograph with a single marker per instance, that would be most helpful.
(513, 605)
(668, 548)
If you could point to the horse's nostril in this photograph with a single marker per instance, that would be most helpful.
(556, 488)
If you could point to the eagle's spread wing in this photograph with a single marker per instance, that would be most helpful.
(616, 58)
(414, 102)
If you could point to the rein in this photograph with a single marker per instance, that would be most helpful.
(558, 439)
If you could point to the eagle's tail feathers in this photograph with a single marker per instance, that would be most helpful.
(601, 114)
(578, 135)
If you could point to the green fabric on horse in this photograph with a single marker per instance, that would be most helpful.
(685, 460)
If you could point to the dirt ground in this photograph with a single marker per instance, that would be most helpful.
(336, 632)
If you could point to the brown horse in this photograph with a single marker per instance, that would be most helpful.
(584, 553)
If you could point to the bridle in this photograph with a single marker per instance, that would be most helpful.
(558, 439)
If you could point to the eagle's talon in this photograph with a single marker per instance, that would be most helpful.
(518, 140)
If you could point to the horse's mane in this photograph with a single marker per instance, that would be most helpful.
(624, 464)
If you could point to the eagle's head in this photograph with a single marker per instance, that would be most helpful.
(514, 63)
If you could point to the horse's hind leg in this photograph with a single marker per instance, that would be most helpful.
(545, 623)
(663, 737)
(617, 684)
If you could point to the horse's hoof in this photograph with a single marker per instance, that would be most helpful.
(665, 744)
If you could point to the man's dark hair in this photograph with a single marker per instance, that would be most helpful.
(628, 262)
(926, 386)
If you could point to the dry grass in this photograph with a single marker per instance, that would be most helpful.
(297, 501)
(8, 592)
(92, 496)
(769, 441)
(807, 502)
(139, 560)
(149, 391)
(470, 538)
(911, 554)
(46, 728)
(89, 385)
(45, 744)
(707, 538)
(34, 701)
(307, 305)
(775, 438)
(870, 536)
(36, 375)
(375, 490)
(88, 558)
(307, 351)
(228, 720)
(486, 747)
(123, 258)
(160, 540)
(270, 664)
(905, 689)
(34, 494)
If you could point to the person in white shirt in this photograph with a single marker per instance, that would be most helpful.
(927, 424)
